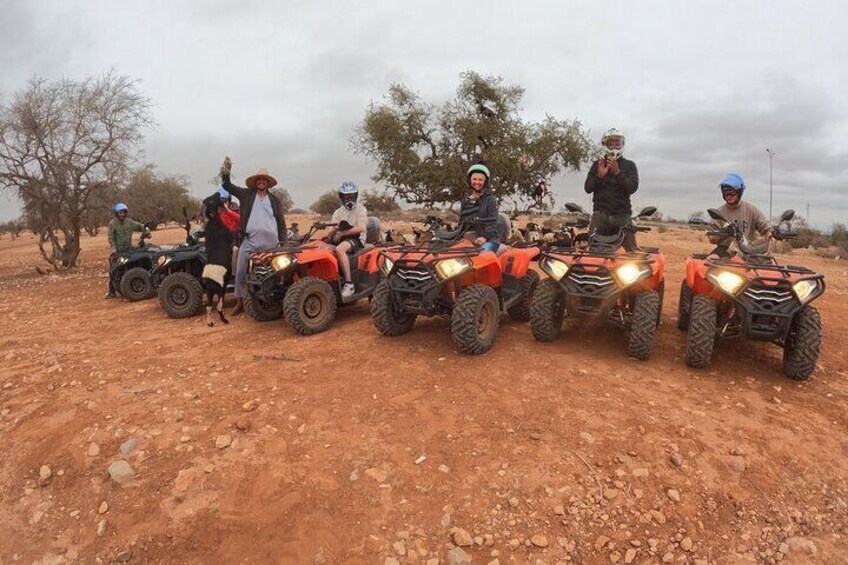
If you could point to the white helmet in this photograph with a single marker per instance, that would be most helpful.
(612, 152)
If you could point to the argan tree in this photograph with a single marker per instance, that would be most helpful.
(63, 142)
(422, 150)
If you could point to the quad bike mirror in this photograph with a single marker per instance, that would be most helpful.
(787, 215)
(574, 208)
(648, 211)
(715, 214)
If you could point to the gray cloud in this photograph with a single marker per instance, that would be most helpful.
(700, 87)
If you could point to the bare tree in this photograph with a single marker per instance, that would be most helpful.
(62, 145)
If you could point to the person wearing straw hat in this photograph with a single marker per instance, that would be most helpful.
(262, 224)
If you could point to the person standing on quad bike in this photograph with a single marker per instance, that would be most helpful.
(349, 235)
(747, 218)
(611, 181)
(479, 208)
(262, 224)
(120, 233)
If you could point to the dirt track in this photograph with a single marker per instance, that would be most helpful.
(556, 452)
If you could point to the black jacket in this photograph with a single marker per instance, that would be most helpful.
(246, 197)
(483, 215)
(611, 194)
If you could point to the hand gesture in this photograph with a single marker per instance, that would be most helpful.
(226, 167)
(603, 169)
(613, 167)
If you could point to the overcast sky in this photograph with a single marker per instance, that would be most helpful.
(699, 87)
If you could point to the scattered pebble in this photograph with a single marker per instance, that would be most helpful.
(120, 471)
(223, 441)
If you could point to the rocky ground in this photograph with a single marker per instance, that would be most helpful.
(130, 437)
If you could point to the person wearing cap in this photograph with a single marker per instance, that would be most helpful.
(611, 181)
(349, 235)
(262, 224)
(120, 232)
(479, 209)
(747, 218)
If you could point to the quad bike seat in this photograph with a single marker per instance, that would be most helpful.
(648, 249)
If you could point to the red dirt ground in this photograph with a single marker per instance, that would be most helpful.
(548, 453)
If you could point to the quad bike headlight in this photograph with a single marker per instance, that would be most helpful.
(387, 265)
(727, 281)
(555, 268)
(629, 273)
(805, 289)
(121, 260)
(450, 268)
(282, 262)
(163, 260)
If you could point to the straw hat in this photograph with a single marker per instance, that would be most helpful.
(263, 173)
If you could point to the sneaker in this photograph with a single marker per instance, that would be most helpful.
(348, 290)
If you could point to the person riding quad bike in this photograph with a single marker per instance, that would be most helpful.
(304, 281)
(604, 281)
(739, 290)
(452, 276)
(129, 267)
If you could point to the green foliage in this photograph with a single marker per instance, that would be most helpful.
(326, 204)
(157, 199)
(423, 151)
(380, 203)
(285, 198)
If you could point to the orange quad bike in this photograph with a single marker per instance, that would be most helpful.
(450, 276)
(301, 280)
(602, 282)
(741, 291)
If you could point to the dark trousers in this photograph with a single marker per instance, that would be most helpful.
(610, 224)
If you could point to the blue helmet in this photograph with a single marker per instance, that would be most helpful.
(348, 193)
(734, 181)
(120, 207)
(223, 195)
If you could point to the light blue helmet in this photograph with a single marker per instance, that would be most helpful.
(734, 181)
(223, 195)
(348, 194)
(120, 207)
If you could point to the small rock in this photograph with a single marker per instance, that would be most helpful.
(668, 557)
(535, 435)
(243, 424)
(586, 437)
(640, 472)
(376, 474)
(128, 446)
(737, 463)
(615, 557)
(559, 510)
(44, 475)
(676, 459)
(513, 502)
(539, 540)
(601, 542)
(444, 468)
(461, 537)
(354, 475)
(120, 471)
(658, 516)
(457, 556)
(629, 555)
(673, 494)
(93, 450)
(104, 508)
(783, 548)
(391, 561)
(223, 441)
(446, 520)
(421, 459)
(802, 545)
(686, 544)
(101, 527)
(250, 406)
(123, 557)
(400, 548)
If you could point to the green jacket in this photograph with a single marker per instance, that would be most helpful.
(120, 234)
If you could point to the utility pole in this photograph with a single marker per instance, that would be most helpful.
(771, 156)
